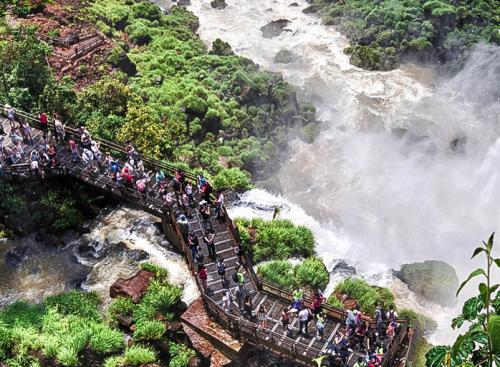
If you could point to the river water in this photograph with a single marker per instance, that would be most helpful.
(406, 165)
(118, 241)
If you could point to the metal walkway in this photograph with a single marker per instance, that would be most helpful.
(292, 345)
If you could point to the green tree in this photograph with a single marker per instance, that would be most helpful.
(24, 71)
(480, 345)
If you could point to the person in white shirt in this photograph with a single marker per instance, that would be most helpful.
(303, 320)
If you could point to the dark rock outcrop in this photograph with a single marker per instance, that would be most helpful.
(184, 2)
(134, 287)
(293, 4)
(274, 28)
(16, 256)
(218, 4)
(343, 268)
(311, 9)
(437, 281)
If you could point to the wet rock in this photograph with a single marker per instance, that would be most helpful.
(20, 224)
(343, 268)
(274, 28)
(184, 2)
(125, 321)
(180, 307)
(134, 287)
(138, 255)
(218, 4)
(283, 57)
(17, 256)
(293, 4)
(311, 9)
(126, 65)
(48, 239)
(436, 281)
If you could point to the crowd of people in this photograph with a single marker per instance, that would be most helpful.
(192, 197)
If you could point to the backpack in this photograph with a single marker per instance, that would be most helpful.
(221, 269)
(235, 277)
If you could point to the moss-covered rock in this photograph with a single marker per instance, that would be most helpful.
(437, 281)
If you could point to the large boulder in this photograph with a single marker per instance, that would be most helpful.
(16, 256)
(218, 4)
(134, 287)
(274, 28)
(434, 280)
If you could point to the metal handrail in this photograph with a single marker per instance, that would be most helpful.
(240, 327)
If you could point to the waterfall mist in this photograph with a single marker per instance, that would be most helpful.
(405, 168)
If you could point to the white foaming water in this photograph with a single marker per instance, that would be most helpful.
(405, 168)
(138, 231)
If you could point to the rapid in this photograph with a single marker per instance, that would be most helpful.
(406, 165)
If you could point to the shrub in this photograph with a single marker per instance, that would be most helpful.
(276, 240)
(232, 178)
(279, 272)
(138, 354)
(312, 274)
(83, 304)
(180, 355)
(121, 306)
(367, 296)
(149, 330)
(105, 340)
(160, 273)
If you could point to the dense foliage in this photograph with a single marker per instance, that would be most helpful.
(311, 273)
(383, 31)
(208, 109)
(366, 295)
(278, 239)
(480, 344)
(68, 329)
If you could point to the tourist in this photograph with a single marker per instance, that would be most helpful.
(304, 315)
(392, 315)
(180, 176)
(193, 243)
(208, 240)
(379, 317)
(85, 138)
(351, 319)
(189, 192)
(26, 130)
(75, 156)
(240, 297)
(248, 308)
(320, 325)
(142, 185)
(160, 176)
(285, 320)
(201, 181)
(227, 302)
(44, 121)
(52, 153)
(297, 299)
(9, 111)
(127, 177)
(240, 253)
(87, 158)
(219, 203)
(95, 148)
(202, 274)
(221, 270)
(60, 131)
(391, 331)
(359, 363)
(240, 279)
(262, 316)
(317, 304)
(206, 191)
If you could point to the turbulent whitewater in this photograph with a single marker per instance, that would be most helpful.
(406, 166)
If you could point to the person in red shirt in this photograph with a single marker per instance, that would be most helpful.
(44, 121)
(202, 274)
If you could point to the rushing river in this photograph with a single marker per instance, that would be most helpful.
(118, 240)
(406, 166)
